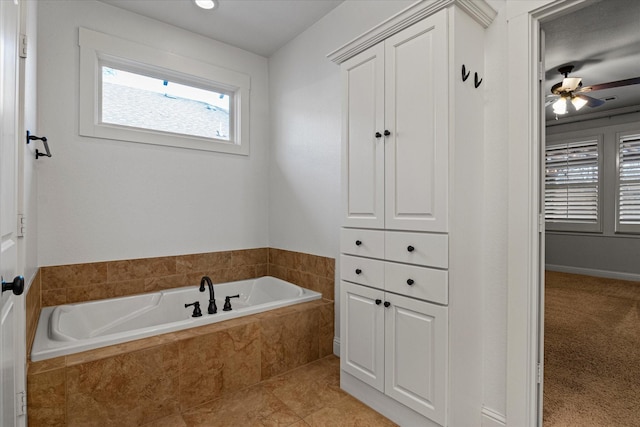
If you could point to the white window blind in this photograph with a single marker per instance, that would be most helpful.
(628, 212)
(572, 185)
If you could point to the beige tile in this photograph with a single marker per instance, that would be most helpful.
(289, 341)
(347, 412)
(130, 389)
(155, 284)
(218, 363)
(249, 257)
(126, 288)
(144, 268)
(326, 332)
(310, 387)
(46, 365)
(170, 421)
(66, 276)
(88, 293)
(54, 297)
(204, 262)
(254, 406)
(46, 397)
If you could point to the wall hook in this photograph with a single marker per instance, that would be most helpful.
(465, 73)
(47, 153)
(476, 82)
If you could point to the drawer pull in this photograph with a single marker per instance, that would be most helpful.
(410, 282)
(358, 271)
(358, 242)
(387, 303)
(411, 248)
(378, 301)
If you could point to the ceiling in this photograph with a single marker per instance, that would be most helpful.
(602, 41)
(258, 26)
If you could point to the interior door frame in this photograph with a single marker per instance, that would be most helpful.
(524, 260)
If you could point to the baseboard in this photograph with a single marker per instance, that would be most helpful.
(491, 418)
(336, 346)
(593, 272)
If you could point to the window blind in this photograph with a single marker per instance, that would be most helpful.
(572, 182)
(628, 214)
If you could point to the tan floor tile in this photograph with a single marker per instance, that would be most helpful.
(309, 388)
(254, 406)
(347, 412)
(171, 421)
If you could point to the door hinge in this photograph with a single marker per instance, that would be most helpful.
(540, 71)
(21, 403)
(539, 373)
(22, 225)
(23, 46)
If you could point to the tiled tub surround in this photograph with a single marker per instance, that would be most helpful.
(72, 283)
(141, 381)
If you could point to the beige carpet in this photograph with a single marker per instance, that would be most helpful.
(592, 352)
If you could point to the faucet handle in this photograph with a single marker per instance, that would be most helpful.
(227, 302)
(196, 308)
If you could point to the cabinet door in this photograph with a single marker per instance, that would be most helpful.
(416, 355)
(416, 115)
(362, 151)
(362, 333)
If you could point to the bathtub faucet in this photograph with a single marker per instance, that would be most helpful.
(212, 297)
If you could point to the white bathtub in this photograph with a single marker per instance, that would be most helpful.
(71, 328)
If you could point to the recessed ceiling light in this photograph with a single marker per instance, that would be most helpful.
(206, 4)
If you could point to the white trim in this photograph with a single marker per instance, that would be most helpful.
(336, 346)
(96, 47)
(609, 274)
(479, 10)
(492, 418)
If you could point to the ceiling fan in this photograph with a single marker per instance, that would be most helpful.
(571, 92)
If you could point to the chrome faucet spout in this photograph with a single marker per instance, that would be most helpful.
(212, 309)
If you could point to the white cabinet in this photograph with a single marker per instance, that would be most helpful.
(395, 128)
(412, 238)
(396, 345)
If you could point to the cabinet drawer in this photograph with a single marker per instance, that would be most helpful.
(431, 250)
(364, 271)
(418, 282)
(355, 241)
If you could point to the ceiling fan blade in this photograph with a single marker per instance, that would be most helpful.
(591, 102)
(571, 83)
(625, 82)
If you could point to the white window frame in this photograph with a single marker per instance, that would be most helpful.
(98, 49)
(579, 226)
(623, 228)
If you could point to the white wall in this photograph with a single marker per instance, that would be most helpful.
(105, 200)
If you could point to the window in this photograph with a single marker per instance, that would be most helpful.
(628, 184)
(132, 92)
(572, 185)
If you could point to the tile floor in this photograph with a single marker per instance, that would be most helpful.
(308, 396)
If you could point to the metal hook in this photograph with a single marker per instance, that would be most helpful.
(44, 142)
(465, 73)
(476, 82)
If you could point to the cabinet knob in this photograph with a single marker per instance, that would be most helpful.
(386, 133)
(411, 248)
(387, 303)
(378, 301)
(358, 242)
(378, 135)
(358, 271)
(410, 282)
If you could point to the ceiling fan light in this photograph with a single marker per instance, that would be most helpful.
(206, 4)
(578, 102)
(560, 106)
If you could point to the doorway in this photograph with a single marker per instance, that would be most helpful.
(592, 281)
